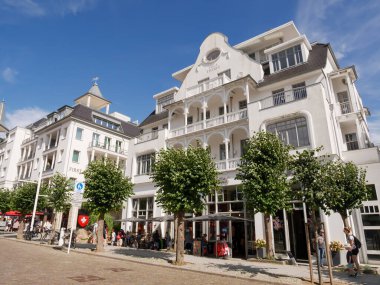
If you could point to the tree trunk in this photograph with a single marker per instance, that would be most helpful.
(175, 232)
(51, 241)
(100, 242)
(268, 237)
(20, 231)
(345, 219)
(179, 254)
(316, 245)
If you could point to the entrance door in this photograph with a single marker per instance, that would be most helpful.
(238, 239)
(297, 235)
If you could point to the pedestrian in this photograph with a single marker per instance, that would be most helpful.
(168, 241)
(356, 245)
(321, 246)
(350, 263)
(113, 237)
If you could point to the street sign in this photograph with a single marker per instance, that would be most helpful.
(79, 187)
(83, 220)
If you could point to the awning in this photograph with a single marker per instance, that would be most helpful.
(133, 219)
(163, 219)
(215, 217)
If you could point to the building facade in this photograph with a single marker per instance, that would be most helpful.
(65, 141)
(276, 81)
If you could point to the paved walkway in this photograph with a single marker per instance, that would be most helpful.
(243, 269)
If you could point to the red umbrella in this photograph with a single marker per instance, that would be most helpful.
(13, 213)
(37, 214)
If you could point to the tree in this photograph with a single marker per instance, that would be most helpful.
(23, 201)
(5, 200)
(184, 178)
(106, 189)
(59, 195)
(347, 188)
(311, 186)
(262, 171)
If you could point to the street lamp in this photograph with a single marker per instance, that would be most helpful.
(37, 195)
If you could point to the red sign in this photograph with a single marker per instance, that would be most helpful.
(83, 220)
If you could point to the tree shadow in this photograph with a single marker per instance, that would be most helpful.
(142, 253)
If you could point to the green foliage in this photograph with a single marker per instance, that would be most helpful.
(5, 200)
(346, 186)
(262, 171)
(59, 193)
(309, 174)
(23, 198)
(184, 178)
(106, 186)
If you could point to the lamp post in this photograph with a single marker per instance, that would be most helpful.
(36, 199)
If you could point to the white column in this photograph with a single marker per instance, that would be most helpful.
(117, 161)
(53, 160)
(246, 91)
(45, 163)
(107, 109)
(226, 141)
(88, 101)
(225, 110)
(204, 110)
(359, 133)
(186, 113)
(49, 141)
(92, 155)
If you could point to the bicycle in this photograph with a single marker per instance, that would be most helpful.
(66, 238)
(49, 235)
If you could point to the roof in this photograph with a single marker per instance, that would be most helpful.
(95, 90)
(317, 60)
(153, 117)
(84, 113)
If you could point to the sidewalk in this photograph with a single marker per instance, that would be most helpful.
(247, 269)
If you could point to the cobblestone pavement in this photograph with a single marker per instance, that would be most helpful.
(143, 262)
(25, 263)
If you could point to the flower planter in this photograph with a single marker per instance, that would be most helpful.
(339, 257)
(261, 252)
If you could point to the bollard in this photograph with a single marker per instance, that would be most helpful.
(61, 237)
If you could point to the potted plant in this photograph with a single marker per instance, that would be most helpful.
(338, 253)
(260, 248)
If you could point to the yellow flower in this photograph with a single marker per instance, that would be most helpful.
(260, 243)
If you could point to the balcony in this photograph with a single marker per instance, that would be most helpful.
(32, 138)
(210, 123)
(147, 137)
(231, 164)
(283, 97)
(107, 147)
(207, 85)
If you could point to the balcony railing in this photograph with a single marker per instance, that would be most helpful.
(207, 85)
(147, 137)
(231, 164)
(28, 140)
(213, 122)
(345, 107)
(112, 148)
(284, 97)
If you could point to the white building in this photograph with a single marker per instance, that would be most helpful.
(276, 81)
(65, 141)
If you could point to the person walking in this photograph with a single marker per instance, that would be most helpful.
(321, 246)
(355, 246)
(168, 241)
(113, 237)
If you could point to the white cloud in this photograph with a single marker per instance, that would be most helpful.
(374, 127)
(39, 8)
(27, 7)
(23, 117)
(9, 74)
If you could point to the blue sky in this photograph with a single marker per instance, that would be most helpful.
(51, 49)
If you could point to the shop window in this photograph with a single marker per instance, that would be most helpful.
(372, 239)
(371, 220)
(372, 192)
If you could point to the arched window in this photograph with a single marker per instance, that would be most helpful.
(293, 132)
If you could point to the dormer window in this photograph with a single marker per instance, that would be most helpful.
(213, 55)
(287, 58)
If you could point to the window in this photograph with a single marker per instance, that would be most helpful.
(287, 58)
(189, 120)
(227, 73)
(243, 104)
(165, 126)
(352, 141)
(118, 146)
(221, 110)
(106, 123)
(144, 163)
(293, 132)
(79, 134)
(278, 97)
(213, 55)
(76, 156)
(163, 101)
(243, 146)
(222, 151)
(64, 133)
(344, 101)
(372, 192)
(299, 91)
(107, 142)
(252, 55)
(95, 139)
(207, 115)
